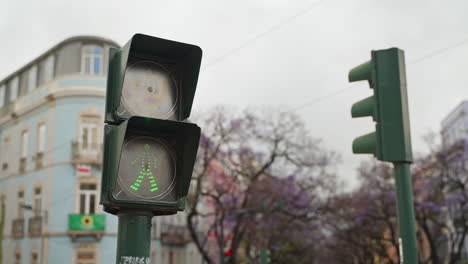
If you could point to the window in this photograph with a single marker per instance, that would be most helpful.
(24, 150)
(91, 62)
(6, 142)
(87, 198)
(24, 144)
(17, 258)
(37, 201)
(86, 256)
(20, 204)
(48, 69)
(34, 258)
(2, 95)
(13, 89)
(41, 138)
(89, 139)
(32, 78)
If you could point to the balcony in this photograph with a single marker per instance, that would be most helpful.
(35, 226)
(80, 225)
(86, 153)
(18, 228)
(39, 160)
(174, 235)
(22, 164)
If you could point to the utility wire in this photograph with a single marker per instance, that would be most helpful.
(417, 60)
(263, 34)
(439, 51)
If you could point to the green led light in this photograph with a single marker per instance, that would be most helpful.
(148, 162)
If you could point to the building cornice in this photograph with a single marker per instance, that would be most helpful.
(59, 88)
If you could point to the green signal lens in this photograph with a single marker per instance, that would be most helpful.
(147, 169)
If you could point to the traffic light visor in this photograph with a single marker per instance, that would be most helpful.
(361, 73)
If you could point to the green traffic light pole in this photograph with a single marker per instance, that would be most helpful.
(406, 222)
(405, 209)
(134, 237)
(391, 142)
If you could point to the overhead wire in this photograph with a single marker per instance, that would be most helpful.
(415, 61)
(263, 34)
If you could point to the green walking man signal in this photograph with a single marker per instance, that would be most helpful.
(391, 140)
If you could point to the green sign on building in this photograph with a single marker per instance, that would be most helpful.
(86, 222)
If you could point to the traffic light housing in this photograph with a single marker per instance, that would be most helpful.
(388, 107)
(265, 256)
(180, 62)
(149, 154)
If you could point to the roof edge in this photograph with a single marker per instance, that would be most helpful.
(56, 46)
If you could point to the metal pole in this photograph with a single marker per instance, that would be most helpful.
(406, 220)
(134, 237)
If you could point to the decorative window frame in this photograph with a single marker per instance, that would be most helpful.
(90, 112)
(6, 149)
(40, 153)
(20, 200)
(32, 78)
(91, 56)
(36, 252)
(40, 196)
(49, 73)
(13, 83)
(2, 95)
(91, 179)
(18, 252)
(23, 157)
(85, 248)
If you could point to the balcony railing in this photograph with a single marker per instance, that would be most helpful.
(18, 228)
(22, 164)
(83, 153)
(35, 226)
(174, 235)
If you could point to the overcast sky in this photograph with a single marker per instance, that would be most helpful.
(294, 54)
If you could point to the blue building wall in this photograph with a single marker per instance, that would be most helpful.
(60, 103)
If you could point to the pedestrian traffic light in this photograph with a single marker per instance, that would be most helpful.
(152, 77)
(149, 153)
(265, 256)
(388, 107)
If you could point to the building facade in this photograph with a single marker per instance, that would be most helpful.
(51, 136)
(454, 126)
(454, 134)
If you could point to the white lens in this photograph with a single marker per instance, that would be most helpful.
(149, 90)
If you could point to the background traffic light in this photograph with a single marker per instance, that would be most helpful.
(391, 141)
(148, 153)
(388, 107)
(265, 256)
